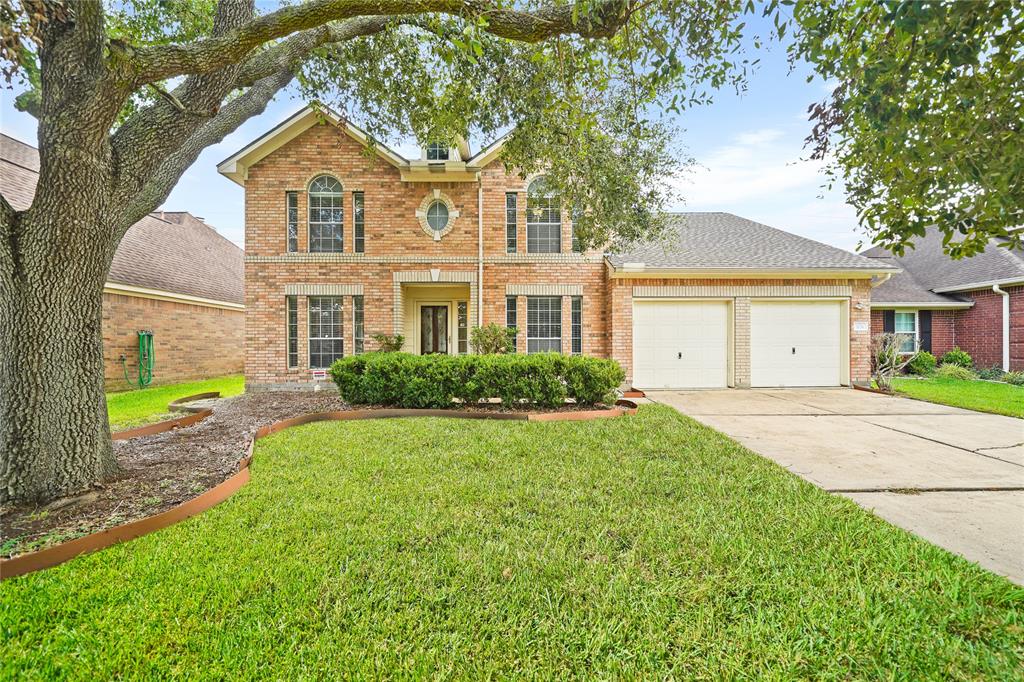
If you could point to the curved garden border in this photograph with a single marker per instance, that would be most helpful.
(197, 415)
(58, 554)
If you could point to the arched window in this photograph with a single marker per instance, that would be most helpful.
(326, 214)
(543, 219)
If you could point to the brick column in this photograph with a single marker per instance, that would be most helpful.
(620, 325)
(860, 341)
(348, 326)
(741, 342)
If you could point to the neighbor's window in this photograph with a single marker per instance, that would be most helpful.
(326, 215)
(292, 305)
(358, 332)
(543, 219)
(359, 221)
(511, 319)
(543, 324)
(511, 211)
(437, 151)
(292, 218)
(463, 338)
(325, 341)
(577, 325)
(906, 327)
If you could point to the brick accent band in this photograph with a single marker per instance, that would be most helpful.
(323, 290)
(732, 291)
(543, 289)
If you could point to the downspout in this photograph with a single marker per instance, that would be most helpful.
(480, 253)
(1006, 326)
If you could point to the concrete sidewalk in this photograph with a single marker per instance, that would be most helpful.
(954, 477)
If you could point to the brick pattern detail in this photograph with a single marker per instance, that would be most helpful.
(979, 330)
(190, 342)
(741, 342)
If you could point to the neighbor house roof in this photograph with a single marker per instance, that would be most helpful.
(934, 271)
(175, 253)
(723, 242)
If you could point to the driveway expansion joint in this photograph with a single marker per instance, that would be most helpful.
(904, 490)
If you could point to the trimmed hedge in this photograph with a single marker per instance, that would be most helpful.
(434, 381)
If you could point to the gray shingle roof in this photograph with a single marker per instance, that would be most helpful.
(176, 253)
(933, 269)
(903, 287)
(726, 241)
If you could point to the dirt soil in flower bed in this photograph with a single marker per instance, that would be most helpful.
(159, 471)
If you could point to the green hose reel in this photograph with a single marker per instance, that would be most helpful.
(146, 360)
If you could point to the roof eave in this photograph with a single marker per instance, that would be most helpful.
(979, 285)
(641, 271)
(938, 305)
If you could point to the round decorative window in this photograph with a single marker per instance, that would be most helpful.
(437, 216)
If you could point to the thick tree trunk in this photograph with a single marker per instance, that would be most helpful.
(54, 435)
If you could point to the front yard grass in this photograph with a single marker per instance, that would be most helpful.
(646, 547)
(984, 396)
(129, 409)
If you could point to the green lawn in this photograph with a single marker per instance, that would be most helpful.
(985, 396)
(647, 547)
(134, 408)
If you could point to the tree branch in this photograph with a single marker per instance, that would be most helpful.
(154, 63)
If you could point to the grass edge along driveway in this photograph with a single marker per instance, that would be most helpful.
(128, 409)
(644, 547)
(982, 396)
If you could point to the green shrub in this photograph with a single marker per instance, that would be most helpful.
(389, 343)
(958, 357)
(434, 381)
(994, 373)
(923, 363)
(492, 338)
(954, 371)
(1014, 378)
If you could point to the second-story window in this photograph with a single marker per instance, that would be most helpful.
(292, 218)
(543, 219)
(359, 222)
(326, 215)
(511, 215)
(437, 151)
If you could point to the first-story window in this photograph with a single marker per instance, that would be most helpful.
(543, 324)
(358, 332)
(463, 323)
(292, 306)
(325, 340)
(359, 222)
(292, 218)
(511, 322)
(577, 325)
(511, 217)
(906, 327)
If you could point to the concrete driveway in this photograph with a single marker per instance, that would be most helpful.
(954, 477)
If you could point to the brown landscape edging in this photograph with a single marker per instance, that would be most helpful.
(58, 554)
(198, 415)
(181, 404)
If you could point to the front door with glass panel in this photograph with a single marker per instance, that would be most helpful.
(433, 329)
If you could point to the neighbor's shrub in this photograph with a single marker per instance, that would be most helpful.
(1014, 378)
(994, 373)
(957, 357)
(923, 363)
(435, 381)
(389, 343)
(492, 338)
(953, 371)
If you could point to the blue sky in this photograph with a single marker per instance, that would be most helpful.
(749, 147)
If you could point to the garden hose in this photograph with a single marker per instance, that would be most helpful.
(146, 360)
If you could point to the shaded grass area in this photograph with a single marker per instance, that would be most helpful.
(984, 396)
(644, 547)
(135, 408)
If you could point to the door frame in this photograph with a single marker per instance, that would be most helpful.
(844, 326)
(418, 326)
(730, 330)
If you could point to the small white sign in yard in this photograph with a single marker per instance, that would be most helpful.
(319, 375)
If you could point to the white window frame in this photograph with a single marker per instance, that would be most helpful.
(552, 343)
(338, 320)
(439, 150)
(337, 203)
(915, 337)
(533, 224)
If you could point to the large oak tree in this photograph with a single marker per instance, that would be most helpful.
(127, 94)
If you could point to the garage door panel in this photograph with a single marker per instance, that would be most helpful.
(795, 343)
(680, 344)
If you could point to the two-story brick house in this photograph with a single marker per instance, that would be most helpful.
(345, 240)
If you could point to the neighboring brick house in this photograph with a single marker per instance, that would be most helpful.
(342, 244)
(975, 303)
(172, 275)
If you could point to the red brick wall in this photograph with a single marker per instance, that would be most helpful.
(190, 342)
(979, 330)
(943, 329)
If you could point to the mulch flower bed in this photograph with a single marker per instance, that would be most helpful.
(159, 471)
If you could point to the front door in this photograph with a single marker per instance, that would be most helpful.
(433, 329)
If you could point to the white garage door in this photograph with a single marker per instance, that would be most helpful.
(680, 344)
(795, 343)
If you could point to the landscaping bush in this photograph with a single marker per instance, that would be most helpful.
(1014, 378)
(434, 381)
(492, 338)
(923, 363)
(954, 371)
(388, 343)
(994, 373)
(960, 358)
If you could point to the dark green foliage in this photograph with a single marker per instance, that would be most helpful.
(389, 343)
(435, 381)
(923, 363)
(1014, 378)
(955, 371)
(492, 338)
(994, 373)
(958, 357)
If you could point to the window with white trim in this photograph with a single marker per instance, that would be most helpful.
(577, 325)
(511, 316)
(326, 215)
(543, 219)
(906, 327)
(511, 216)
(358, 330)
(292, 308)
(543, 324)
(326, 343)
(359, 222)
(463, 327)
(437, 151)
(292, 219)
